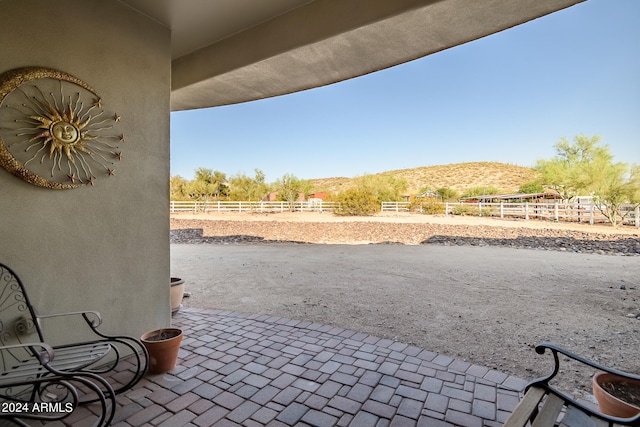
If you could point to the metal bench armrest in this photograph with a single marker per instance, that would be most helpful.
(541, 386)
(540, 349)
(45, 355)
(93, 318)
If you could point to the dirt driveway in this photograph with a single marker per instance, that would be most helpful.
(487, 305)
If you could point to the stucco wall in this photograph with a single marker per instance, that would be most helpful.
(105, 246)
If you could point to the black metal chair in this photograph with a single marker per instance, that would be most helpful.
(37, 391)
(35, 373)
(544, 405)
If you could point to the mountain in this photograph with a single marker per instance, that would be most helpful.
(458, 176)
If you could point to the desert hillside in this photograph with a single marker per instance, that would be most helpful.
(458, 176)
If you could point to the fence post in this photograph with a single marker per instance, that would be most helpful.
(591, 213)
(479, 208)
(446, 208)
(526, 210)
(501, 209)
(637, 215)
(555, 211)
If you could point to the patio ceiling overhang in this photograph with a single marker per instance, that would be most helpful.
(229, 51)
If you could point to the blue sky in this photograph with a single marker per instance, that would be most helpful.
(508, 97)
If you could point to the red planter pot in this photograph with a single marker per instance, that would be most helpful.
(163, 346)
(177, 292)
(609, 404)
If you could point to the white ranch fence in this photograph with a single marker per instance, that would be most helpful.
(585, 213)
(226, 206)
(570, 212)
(396, 206)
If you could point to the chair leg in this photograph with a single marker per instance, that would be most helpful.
(104, 395)
(141, 362)
(58, 396)
(113, 368)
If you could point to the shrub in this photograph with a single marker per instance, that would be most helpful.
(447, 193)
(384, 188)
(470, 210)
(428, 206)
(357, 202)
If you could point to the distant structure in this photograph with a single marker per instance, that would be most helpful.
(273, 197)
(429, 194)
(513, 198)
(322, 195)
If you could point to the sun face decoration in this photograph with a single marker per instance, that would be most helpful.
(67, 137)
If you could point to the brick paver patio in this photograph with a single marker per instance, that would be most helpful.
(236, 369)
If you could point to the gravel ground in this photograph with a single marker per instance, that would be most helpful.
(410, 229)
(479, 289)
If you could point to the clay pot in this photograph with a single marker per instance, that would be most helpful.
(609, 404)
(163, 346)
(177, 292)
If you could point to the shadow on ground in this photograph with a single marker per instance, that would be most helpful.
(625, 246)
(630, 246)
(196, 235)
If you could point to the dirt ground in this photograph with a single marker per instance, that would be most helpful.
(488, 305)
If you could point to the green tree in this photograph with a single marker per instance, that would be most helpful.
(208, 184)
(366, 197)
(178, 188)
(531, 187)
(612, 185)
(290, 187)
(564, 172)
(243, 187)
(586, 168)
(447, 193)
(385, 188)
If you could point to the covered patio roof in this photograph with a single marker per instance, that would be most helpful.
(227, 51)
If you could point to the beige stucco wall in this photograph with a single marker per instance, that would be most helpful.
(105, 246)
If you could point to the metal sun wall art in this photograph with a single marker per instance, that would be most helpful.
(53, 130)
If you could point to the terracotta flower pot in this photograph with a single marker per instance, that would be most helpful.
(177, 292)
(609, 404)
(163, 346)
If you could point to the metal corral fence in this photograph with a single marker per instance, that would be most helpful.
(587, 213)
(226, 206)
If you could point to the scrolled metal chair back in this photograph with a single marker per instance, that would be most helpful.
(17, 319)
